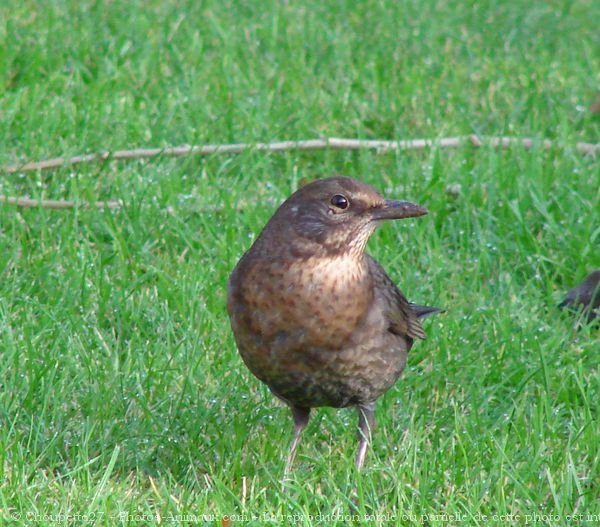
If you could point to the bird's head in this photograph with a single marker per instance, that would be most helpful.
(334, 215)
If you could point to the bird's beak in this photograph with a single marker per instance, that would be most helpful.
(396, 210)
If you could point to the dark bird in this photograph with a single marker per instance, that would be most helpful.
(585, 297)
(316, 318)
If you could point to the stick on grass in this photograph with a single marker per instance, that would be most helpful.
(57, 203)
(284, 146)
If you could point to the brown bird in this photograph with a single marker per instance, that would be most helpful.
(585, 297)
(314, 317)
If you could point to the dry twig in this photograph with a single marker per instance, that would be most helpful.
(311, 144)
(57, 203)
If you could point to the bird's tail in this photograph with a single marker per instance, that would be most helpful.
(425, 311)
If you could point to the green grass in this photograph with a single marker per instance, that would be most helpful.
(121, 391)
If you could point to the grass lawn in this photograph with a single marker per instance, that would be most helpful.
(123, 400)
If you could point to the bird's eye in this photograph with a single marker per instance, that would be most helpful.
(339, 201)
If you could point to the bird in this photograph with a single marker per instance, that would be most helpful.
(315, 317)
(585, 297)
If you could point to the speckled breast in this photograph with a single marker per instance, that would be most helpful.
(320, 300)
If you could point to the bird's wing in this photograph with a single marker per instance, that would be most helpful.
(425, 311)
(402, 318)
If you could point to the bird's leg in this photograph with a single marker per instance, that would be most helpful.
(300, 416)
(366, 424)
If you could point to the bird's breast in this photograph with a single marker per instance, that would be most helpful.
(315, 301)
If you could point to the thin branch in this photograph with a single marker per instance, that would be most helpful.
(311, 144)
(57, 204)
